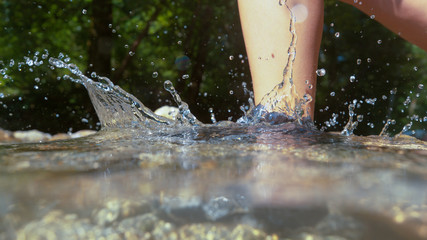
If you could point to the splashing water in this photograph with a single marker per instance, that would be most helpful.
(185, 115)
(115, 107)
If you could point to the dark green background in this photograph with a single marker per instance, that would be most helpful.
(208, 33)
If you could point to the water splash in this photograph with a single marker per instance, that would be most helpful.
(405, 129)
(185, 116)
(213, 119)
(383, 132)
(115, 107)
(351, 124)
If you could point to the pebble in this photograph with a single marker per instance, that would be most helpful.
(31, 136)
(38, 136)
(82, 133)
(115, 210)
(167, 112)
(5, 136)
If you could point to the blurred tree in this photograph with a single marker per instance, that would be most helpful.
(367, 63)
(101, 38)
(198, 45)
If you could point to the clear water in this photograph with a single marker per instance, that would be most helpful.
(285, 181)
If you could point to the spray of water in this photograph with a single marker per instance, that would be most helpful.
(115, 107)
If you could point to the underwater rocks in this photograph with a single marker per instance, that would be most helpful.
(38, 136)
(59, 225)
(116, 224)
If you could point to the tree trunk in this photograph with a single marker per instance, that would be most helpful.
(196, 50)
(101, 38)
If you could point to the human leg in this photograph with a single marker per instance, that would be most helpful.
(407, 18)
(265, 25)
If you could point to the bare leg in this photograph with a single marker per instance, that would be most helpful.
(407, 18)
(265, 25)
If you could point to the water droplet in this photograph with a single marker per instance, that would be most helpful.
(321, 72)
(337, 34)
(306, 82)
(372, 16)
(420, 86)
(307, 98)
(393, 91)
(93, 74)
(126, 46)
(371, 101)
(368, 60)
(407, 101)
(310, 86)
(240, 56)
(359, 61)
(29, 62)
(379, 41)
(231, 57)
(131, 53)
(179, 42)
(231, 92)
(185, 76)
(155, 74)
(352, 78)
(84, 120)
(84, 11)
(415, 69)
(1, 95)
(36, 87)
(37, 80)
(359, 118)
(168, 85)
(212, 115)
(384, 97)
(332, 94)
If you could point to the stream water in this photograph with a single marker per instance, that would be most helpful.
(270, 175)
(260, 181)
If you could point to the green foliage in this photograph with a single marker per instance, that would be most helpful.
(380, 61)
(208, 33)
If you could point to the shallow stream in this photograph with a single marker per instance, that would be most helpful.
(262, 181)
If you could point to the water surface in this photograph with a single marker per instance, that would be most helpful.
(264, 181)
